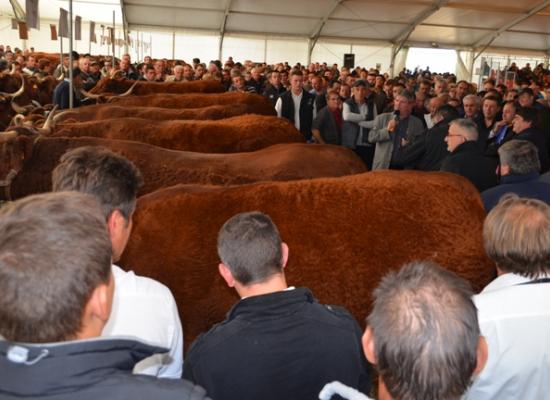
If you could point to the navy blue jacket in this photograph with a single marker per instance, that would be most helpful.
(278, 346)
(527, 185)
(85, 370)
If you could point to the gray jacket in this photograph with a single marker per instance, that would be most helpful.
(384, 140)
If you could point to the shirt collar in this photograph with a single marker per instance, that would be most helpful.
(507, 280)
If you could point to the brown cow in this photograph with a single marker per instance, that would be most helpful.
(197, 100)
(108, 111)
(121, 85)
(232, 135)
(344, 234)
(35, 157)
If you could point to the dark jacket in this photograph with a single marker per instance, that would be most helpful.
(537, 138)
(467, 160)
(428, 151)
(527, 185)
(350, 129)
(272, 93)
(86, 370)
(282, 345)
(326, 124)
(306, 111)
(61, 95)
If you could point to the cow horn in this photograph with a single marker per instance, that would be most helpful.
(115, 73)
(36, 103)
(58, 115)
(15, 94)
(90, 95)
(18, 109)
(129, 91)
(61, 77)
(49, 124)
(12, 71)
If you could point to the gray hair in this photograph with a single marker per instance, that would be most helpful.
(516, 236)
(468, 128)
(473, 97)
(425, 331)
(249, 244)
(521, 156)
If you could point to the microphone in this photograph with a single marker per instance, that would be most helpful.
(396, 115)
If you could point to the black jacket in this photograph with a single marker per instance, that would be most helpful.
(537, 138)
(467, 160)
(306, 111)
(282, 345)
(272, 93)
(428, 151)
(86, 370)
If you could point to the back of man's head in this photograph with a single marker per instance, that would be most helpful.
(467, 127)
(446, 112)
(516, 235)
(425, 331)
(111, 178)
(521, 156)
(249, 244)
(529, 114)
(54, 252)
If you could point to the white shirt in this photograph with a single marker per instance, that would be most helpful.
(296, 100)
(145, 309)
(515, 321)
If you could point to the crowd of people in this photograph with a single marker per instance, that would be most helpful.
(75, 325)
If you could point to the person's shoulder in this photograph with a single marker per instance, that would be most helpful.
(128, 282)
(148, 387)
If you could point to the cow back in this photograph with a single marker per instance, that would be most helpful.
(344, 234)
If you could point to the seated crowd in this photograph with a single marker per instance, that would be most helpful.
(75, 325)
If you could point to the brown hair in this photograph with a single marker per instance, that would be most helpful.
(516, 235)
(55, 250)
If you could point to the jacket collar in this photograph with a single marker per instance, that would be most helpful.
(470, 146)
(518, 178)
(60, 367)
(271, 304)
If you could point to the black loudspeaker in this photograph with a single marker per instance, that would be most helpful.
(349, 61)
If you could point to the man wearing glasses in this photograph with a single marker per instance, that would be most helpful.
(466, 157)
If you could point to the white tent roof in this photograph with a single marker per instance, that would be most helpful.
(460, 24)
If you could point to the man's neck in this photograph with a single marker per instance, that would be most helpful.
(297, 94)
(277, 283)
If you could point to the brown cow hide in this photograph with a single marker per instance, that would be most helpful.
(162, 168)
(232, 135)
(197, 100)
(121, 85)
(344, 234)
(108, 111)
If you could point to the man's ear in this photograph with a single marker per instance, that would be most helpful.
(284, 251)
(115, 222)
(226, 274)
(368, 345)
(482, 354)
(504, 170)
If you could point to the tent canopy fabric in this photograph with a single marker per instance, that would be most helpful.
(458, 24)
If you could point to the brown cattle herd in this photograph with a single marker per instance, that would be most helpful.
(207, 155)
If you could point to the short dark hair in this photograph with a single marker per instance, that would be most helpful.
(410, 96)
(55, 250)
(529, 114)
(447, 112)
(95, 170)
(424, 320)
(516, 234)
(249, 244)
(521, 156)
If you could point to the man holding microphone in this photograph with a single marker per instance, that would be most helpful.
(392, 131)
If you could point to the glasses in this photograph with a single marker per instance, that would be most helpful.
(450, 135)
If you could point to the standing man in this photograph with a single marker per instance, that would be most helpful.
(513, 309)
(277, 342)
(358, 113)
(274, 88)
(297, 105)
(466, 157)
(57, 289)
(142, 308)
(520, 172)
(392, 131)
